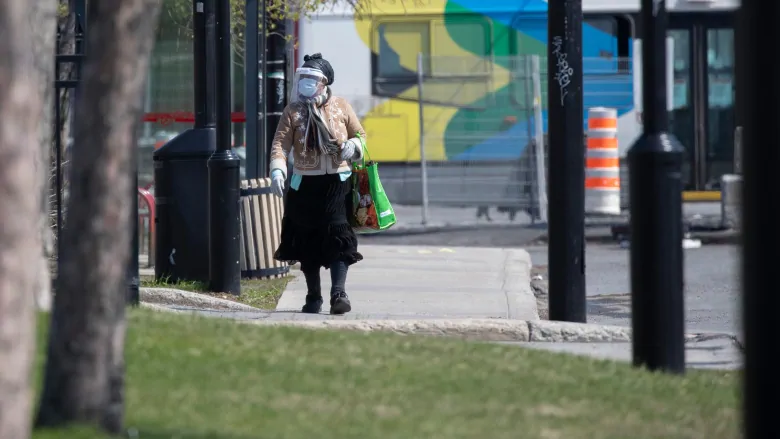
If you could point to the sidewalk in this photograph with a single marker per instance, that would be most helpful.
(480, 294)
(413, 282)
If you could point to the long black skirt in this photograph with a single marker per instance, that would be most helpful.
(315, 231)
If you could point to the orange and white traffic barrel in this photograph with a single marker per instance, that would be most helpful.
(602, 163)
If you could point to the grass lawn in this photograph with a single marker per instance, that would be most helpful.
(196, 378)
(260, 293)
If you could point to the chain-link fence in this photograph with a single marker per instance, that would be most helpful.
(491, 153)
(473, 144)
(482, 122)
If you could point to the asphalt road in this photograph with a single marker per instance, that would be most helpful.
(711, 286)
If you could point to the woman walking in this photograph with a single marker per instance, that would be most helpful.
(320, 130)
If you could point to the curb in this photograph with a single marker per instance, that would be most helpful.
(520, 298)
(486, 330)
(163, 308)
(473, 329)
(706, 238)
(172, 296)
(721, 237)
(452, 227)
(425, 230)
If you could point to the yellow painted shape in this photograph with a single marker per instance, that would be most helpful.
(393, 126)
(403, 7)
(393, 131)
(694, 196)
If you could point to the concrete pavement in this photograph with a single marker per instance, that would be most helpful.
(422, 282)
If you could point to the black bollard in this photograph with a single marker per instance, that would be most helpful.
(757, 34)
(656, 228)
(566, 205)
(224, 169)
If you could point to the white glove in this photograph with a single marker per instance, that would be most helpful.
(277, 182)
(348, 150)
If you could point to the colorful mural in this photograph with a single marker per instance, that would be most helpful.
(476, 102)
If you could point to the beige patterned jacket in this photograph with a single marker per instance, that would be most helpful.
(290, 133)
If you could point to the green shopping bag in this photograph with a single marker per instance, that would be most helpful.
(371, 209)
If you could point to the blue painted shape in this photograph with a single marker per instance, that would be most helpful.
(603, 86)
(595, 41)
(504, 145)
(510, 144)
(502, 6)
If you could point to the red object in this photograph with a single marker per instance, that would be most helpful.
(146, 197)
(186, 117)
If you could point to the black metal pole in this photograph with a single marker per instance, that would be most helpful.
(656, 229)
(199, 42)
(567, 162)
(757, 34)
(80, 9)
(275, 96)
(263, 128)
(133, 275)
(58, 149)
(262, 140)
(208, 64)
(224, 168)
(252, 89)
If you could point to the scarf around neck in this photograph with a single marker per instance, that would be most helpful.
(318, 137)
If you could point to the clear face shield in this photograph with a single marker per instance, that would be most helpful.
(307, 84)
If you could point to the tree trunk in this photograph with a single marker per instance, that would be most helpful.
(20, 108)
(43, 21)
(84, 377)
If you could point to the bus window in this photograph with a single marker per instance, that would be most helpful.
(720, 67)
(607, 38)
(599, 37)
(625, 34)
(397, 44)
(460, 36)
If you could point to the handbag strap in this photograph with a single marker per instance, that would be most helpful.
(365, 150)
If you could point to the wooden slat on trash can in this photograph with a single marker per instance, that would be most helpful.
(249, 257)
(261, 218)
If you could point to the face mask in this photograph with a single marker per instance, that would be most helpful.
(307, 87)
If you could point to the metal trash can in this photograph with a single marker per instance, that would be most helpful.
(181, 200)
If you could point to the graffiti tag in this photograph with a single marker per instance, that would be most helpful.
(563, 71)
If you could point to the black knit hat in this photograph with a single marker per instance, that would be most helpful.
(317, 62)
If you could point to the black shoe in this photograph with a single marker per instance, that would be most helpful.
(313, 304)
(339, 303)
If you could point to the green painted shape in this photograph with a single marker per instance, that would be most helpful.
(469, 127)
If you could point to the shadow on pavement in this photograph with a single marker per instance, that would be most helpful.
(616, 306)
